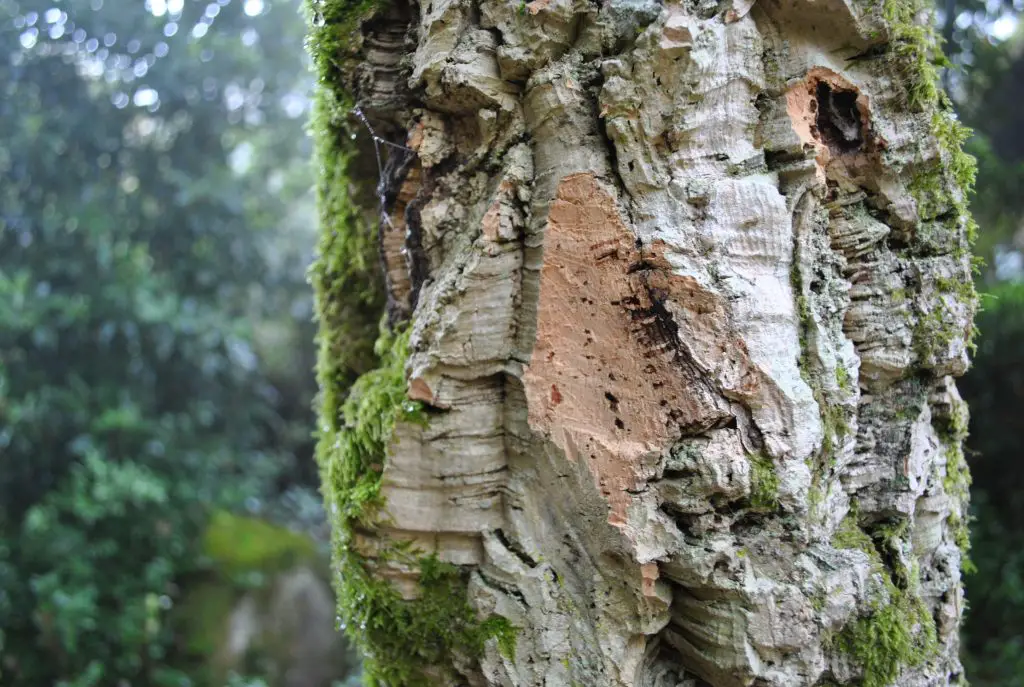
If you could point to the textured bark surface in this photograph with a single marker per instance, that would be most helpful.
(688, 284)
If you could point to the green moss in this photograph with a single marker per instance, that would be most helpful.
(953, 428)
(962, 537)
(400, 638)
(897, 632)
(843, 378)
(834, 428)
(353, 442)
(815, 495)
(952, 135)
(935, 331)
(942, 188)
(363, 395)
(346, 275)
(802, 308)
(504, 632)
(915, 50)
(764, 483)
(819, 600)
(892, 637)
(957, 481)
(849, 535)
(238, 544)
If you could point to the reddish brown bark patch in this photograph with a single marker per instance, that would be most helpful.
(607, 343)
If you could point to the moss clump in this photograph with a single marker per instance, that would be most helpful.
(896, 633)
(400, 638)
(893, 637)
(353, 442)
(942, 188)
(346, 275)
(504, 632)
(764, 483)
(953, 428)
(962, 538)
(834, 428)
(815, 495)
(363, 395)
(405, 640)
(843, 379)
(957, 481)
(952, 135)
(849, 535)
(915, 48)
(934, 332)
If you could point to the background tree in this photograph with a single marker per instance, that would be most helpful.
(155, 226)
(995, 387)
(988, 79)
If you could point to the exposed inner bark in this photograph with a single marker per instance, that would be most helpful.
(607, 380)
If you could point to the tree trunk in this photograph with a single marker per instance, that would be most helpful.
(676, 295)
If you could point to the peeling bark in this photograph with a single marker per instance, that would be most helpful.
(687, 285)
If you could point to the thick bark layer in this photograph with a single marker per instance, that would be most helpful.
(688, 284)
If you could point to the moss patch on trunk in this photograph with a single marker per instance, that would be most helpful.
(897, 631)
(401, 639)
(346, 274)
(361, 373)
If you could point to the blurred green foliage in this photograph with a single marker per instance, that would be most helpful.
(239, 544)
(988, 87)
(155, 221)
(994, 636)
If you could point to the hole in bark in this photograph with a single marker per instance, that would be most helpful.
(619, 423)
(838, 119)
(613, 402)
